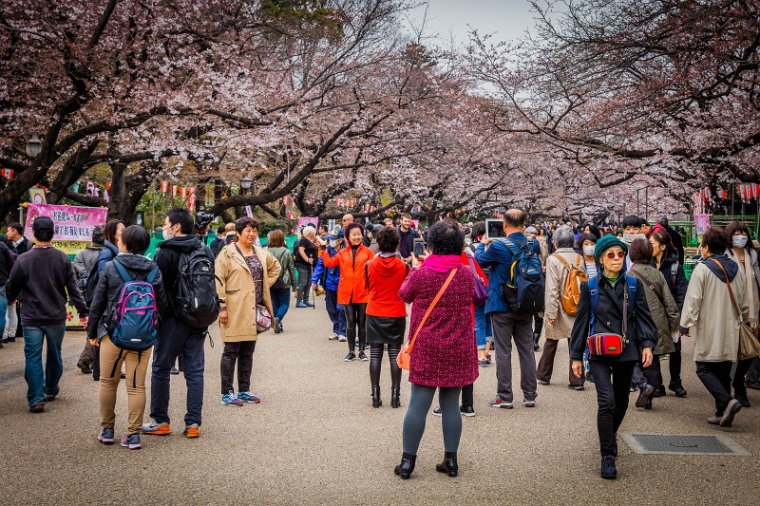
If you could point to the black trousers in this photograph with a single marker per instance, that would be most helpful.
(742, 368)
(653, 374)
(356, 316)
(242, 354)
(675, 365)
(613, 382)
(716, 377)
(468, 395)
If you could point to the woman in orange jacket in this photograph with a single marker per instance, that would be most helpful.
(352, 287)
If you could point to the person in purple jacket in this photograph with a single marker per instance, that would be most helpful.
(444, 356)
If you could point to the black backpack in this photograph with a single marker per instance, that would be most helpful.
(197, 302)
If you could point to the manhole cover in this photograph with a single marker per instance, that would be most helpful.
(683, 444)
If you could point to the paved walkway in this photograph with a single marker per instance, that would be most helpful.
(315, 439)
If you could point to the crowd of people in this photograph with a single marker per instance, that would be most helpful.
(619, 297)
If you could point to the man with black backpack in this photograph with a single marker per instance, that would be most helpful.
(187, 269)
(516, 293)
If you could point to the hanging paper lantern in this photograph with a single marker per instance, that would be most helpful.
(174, 190)
(164, 185)
(108, 185)
(182, 192)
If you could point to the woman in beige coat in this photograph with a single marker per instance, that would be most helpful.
(557, 323)
(244, 274)
(710, 318)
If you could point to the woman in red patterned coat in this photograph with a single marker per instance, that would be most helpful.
(444, 356)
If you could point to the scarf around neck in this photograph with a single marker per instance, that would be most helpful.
(442, 263)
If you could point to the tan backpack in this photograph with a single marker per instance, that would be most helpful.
(571, 291)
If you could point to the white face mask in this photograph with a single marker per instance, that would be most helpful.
(588, 251)
(739, 241)
(168, 234)
(333, 244)
(629, 238)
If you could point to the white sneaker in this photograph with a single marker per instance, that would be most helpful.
(333, 337)
(342, 339)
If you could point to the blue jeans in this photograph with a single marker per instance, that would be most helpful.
(41, 384)
(336, 311)
(175, 339)
(483, 330)
(3, 309)
(280, 301)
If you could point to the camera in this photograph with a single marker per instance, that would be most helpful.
(202, 219)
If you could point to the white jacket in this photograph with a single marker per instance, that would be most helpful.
(710, 316)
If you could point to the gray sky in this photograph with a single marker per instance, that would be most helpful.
(506, 19)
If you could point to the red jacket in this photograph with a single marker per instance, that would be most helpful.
(385, 276)
(352, 286)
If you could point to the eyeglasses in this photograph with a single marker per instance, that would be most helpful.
(611, 255)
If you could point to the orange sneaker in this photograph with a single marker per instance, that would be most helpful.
(192, 431)
(157, 429)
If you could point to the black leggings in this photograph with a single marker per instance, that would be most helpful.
(355, 316)
(376, 360)
(242, 354)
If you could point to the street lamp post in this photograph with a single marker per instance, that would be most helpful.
(33, 146)
(245, 183)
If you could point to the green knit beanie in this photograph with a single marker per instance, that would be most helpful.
(606, 243)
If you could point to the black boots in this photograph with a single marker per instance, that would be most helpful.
(376, 401)
(406, 467)
(449, 464)
(396, 397)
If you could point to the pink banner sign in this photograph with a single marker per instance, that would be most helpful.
(71, 223)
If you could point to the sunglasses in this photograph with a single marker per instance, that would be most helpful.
(611, 255)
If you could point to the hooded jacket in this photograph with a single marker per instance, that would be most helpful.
(708, 312)
(168, 260)
(385, 275)
(109, 284)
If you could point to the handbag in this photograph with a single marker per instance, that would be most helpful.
(263, 319)
(481, 290)
(404, 358)
(611, 344)
(749, 346)
(263, 316)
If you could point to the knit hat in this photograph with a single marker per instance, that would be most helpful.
(350, 227)
(606, 243)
